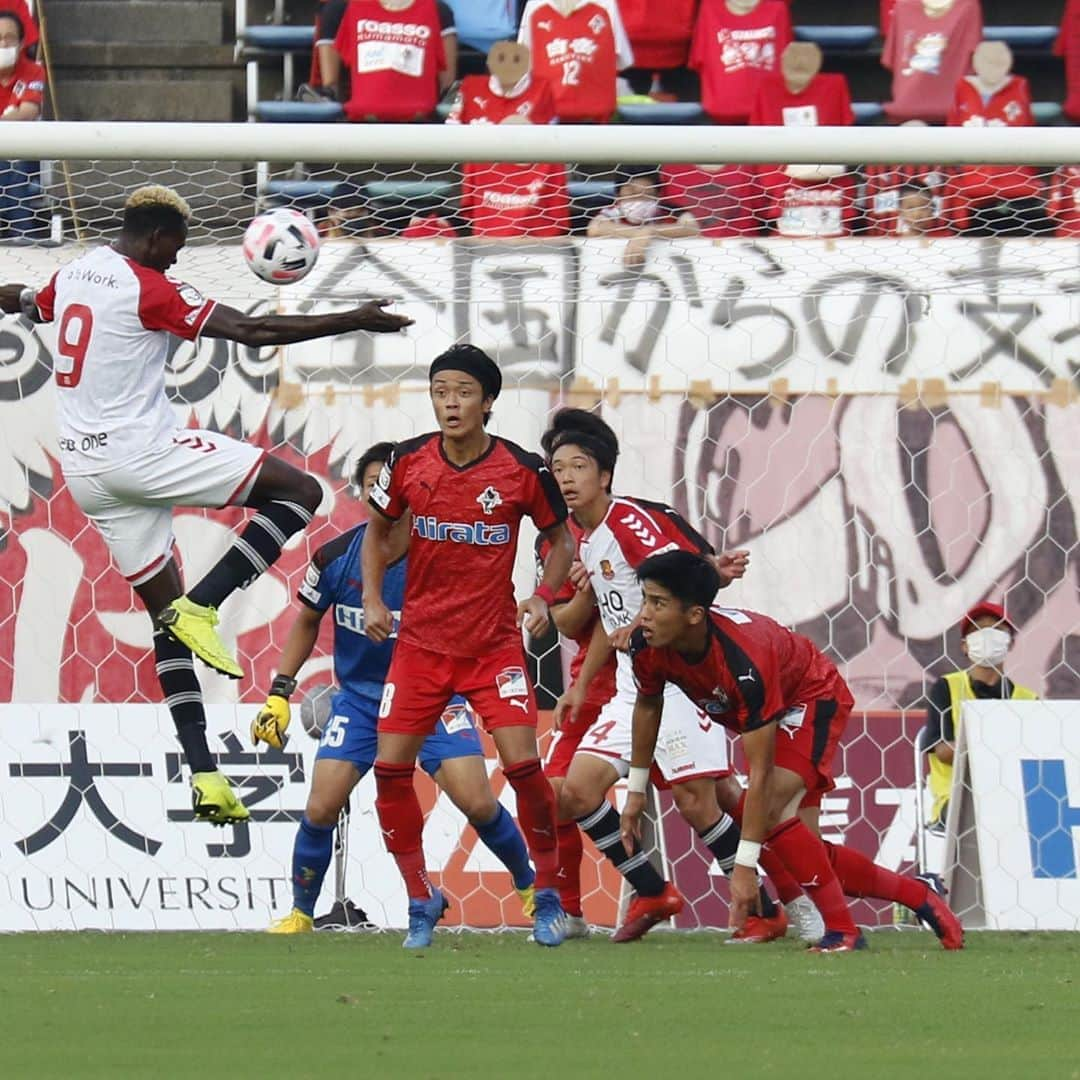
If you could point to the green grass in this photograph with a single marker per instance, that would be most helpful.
(328, 1005)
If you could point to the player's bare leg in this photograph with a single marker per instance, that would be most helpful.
(520, 758)
(332, 782)
(465, 780)
(584, 798)
(213, 799)
(402, 824)
(697, 803)
(286, 500)
(571, 852)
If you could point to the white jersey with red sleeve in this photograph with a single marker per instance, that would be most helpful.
(113, 320)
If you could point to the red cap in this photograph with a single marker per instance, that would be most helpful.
(979, 611)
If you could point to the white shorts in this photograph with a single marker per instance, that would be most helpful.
(688, 746)
(132, 504)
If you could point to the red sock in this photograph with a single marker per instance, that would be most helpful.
(402, 824)
(804, 856)
(569, 872)
(860, 876)
(787, 888)
(536, 815)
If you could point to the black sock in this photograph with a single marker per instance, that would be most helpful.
(183, 695)
(252, 552)
(602, 827)
(722, 839)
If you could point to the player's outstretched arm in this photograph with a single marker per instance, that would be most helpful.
(574, 696)
(272, 721)
(534, 614)
(571, 617)
(258, 330)
(10, 303)
(376, 555)
(646, 726)
(759, 747)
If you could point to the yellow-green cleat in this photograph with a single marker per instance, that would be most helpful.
(527, 896)
(194, 626)
(296, 922)
(213, 800)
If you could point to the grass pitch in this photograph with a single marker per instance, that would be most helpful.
(355, 1005)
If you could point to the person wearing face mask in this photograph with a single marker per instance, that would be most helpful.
(639, 215)
(987, 635)
(22, 88)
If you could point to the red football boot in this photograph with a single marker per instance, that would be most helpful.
(757, 929)
(835, 941)
(646, 911)
(936, 914)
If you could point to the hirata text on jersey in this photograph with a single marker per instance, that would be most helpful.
(428, 527)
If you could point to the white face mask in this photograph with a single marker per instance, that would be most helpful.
(8, 57)
(639, 211)
(988, 646)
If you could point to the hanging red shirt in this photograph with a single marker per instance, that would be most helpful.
(1067, 46)
(516, 200)
(927, 57)
(660, 33)
(579, 54)
(826, 101)
(394, 59)
(726, 200)
(733, 53)
(809, 208)
(481, 100)
(1063, 200)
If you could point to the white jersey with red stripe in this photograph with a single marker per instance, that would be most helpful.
(114, 317)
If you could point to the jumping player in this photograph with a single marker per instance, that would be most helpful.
(789, 704)
(468, 492)
(619, 533)
(451, 755)
(127, 463)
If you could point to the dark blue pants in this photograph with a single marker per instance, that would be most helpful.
(19, 195)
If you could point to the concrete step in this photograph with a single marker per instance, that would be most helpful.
(167, 98)
(129, 21)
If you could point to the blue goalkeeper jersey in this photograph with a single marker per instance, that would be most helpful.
(333, 580)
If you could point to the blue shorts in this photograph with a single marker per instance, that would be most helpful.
(350, 734)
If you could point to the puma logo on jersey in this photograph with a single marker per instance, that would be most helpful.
(488, 499)
(543, 24)
(748, 677)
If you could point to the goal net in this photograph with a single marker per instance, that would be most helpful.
(866, 374)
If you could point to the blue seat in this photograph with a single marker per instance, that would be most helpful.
(1022, 37)
(661, 112)
(837, 37)
(409, 190)
(298, 112)
(279, 38)
(1046, 112)
(866, 112)
(591, 189)
(305, 190)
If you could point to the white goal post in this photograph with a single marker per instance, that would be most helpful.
(890, 424)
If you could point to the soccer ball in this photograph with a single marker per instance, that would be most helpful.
(281, 246)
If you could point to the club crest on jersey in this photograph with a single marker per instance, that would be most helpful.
(488, 499)
(719, 702)
(511, 683)
(607, 570)
(428, 527)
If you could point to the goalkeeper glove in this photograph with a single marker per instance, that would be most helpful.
(273, 719)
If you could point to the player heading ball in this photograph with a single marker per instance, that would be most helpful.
(460, 631)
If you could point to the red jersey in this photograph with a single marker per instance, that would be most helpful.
(809, 208)
(516, 200)
(578, 54)
(26, 83)
(726, 200)
(481, 100)
(927, 57)
(1009, 106)
(754, 671)
(882, 195)
(394, 59)
(459, 589)
(660, 33)
(734, 52)
(1067, 46)
(826, 101)
(1063, 201)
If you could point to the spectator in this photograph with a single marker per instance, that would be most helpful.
(736, 44)
(725, 200)
(510, 199)
(480, 23)
(660, 34)
(640, 215)
(928, 48)
(22, 90)
(883, 187)
(799, 95)
(992, 97)
(401, 56)
(21, 9)
(578, 46)
(916, 213)
(987, 635)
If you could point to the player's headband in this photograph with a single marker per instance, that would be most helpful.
(472, 361)
(599, 450)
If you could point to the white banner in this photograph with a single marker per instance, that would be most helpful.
(1014, 820)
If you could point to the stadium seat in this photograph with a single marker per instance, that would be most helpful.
(276, 39)
(298, 112)
(594, 190)
(1022, 37)
(406, 192)
(310, 192)
(1046, 112)
(837, 37)
(866, 112)
(661, 112)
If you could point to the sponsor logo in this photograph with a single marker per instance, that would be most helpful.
(190, 295)
(597, 24)
(428, 527)
(488, 499)
(456, 719)
(511, 683)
